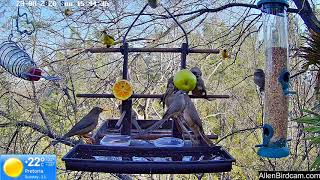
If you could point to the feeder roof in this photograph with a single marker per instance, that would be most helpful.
(284, 2)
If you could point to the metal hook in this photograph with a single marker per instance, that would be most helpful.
(28, 22)
(124, 38)
(176, 21)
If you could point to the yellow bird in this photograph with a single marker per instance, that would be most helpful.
(68, 12)
(107, 39)
(225, 54)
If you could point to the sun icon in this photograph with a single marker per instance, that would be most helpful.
(13, 167)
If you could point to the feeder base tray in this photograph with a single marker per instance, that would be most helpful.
(148, 159)
(273, 152)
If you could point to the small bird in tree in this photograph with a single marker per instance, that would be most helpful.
(225, 54)
(107, 39)
(200, 88)
(259, 79)
(193, 121)
(68, 12)
(87, 124)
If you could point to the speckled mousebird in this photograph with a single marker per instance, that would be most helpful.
(167, 97)
(259, 79)
(200, 89)
(193, 121)
(174, 111)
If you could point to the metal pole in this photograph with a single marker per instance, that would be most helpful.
(154, 96)
(126, 123)
(127, 104)
(160, 50)
(176, 131)
(184, 53)
(125, 53)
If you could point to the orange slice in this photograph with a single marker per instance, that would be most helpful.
(122, 90)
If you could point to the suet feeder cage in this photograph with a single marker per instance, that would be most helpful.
(276, 99)
(142, 156)
(17, 62)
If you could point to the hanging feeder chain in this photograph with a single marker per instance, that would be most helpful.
(28, 22)
(177, 22)
(124, 38)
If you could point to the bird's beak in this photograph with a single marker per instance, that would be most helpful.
(104, 110)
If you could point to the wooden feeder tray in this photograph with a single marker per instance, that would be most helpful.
(142, 157)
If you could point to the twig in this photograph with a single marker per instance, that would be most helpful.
(43, 116)
(37, 128)
(238, 131)
(239, 82)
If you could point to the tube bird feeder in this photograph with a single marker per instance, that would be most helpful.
(276, 100)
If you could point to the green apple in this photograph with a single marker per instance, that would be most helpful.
(185, 80)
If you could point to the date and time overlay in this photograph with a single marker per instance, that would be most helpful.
(62, 3)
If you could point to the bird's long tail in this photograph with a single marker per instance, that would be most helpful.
(204, 139)
(200, 136)
(56, 141)
(155, 126)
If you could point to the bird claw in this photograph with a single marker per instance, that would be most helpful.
(89, 140)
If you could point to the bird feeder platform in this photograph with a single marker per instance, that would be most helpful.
(140, 155)
(143, 157)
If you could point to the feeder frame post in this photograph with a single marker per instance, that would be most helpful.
(127, 104)
(184, 53)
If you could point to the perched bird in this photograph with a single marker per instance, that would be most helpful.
(193, 121)
(176, 105)
(134, 117)
(200, 89)
(259, 79)
(167, 97)
(225, 54)
(153, 3)
(107, 39)
(87, 124)
(68, 12)
(175, 110)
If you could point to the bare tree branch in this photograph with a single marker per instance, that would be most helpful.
(307, 14)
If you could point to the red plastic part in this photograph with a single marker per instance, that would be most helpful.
(36, 72)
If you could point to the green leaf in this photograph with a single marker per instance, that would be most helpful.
(310, 112)
(309, 120)
(315, 140)
(316, 164)
(312, 129)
